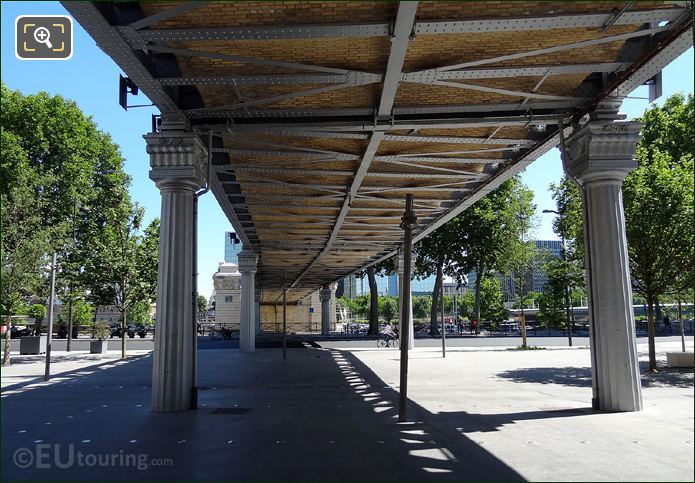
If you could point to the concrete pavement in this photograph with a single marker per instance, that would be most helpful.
(330, 415)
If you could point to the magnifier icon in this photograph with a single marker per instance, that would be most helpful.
(43, 36)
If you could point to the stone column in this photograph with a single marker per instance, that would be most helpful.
(257, 298)
(600, 155)
(177, 160)
(411, 332)
(326, 295)
(247, 333)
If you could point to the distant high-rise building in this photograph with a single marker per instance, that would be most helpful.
(392, 285)
(232, 247)
(347, 287)
(539, 277)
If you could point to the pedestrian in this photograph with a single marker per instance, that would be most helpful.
(667, 324)
(474, 326)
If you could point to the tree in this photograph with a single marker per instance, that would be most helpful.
(202, 304)
(389, 308)
(658, 200)
(386, 267)
(124, 272)
(77, 177)
(435, 254)
(490, 231)
(421, 306)
(38, 313)
(551, 306)
(492, 300)
(24, 236)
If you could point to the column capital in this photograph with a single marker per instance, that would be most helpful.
(177, 155)
(248, 261)
(326, 292)
(602, 151)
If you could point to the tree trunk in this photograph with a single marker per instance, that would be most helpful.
(523, 325)
(436, 293)
(650, 333)
(373, 303)
(38, 322)
(476, 310)
(8, 334)
(124, 324)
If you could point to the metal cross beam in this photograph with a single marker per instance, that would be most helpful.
(166, 14)
(455, 140)
(511, 72)
(401, 36)
(284, 32)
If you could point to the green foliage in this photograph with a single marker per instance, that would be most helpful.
(421, 306)
(388, 306)
(358, 306)
(101, 330)
(658, 200)
(669, 129)
(202, 304)
(551, 303)
(569, 223)
(140, 313)
(492, 300)
(37, 311)
(63, 182)
(24, 237)
(82, 313)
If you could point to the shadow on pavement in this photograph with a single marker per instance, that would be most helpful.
(319, 415)
(581, 376)
(566, 376)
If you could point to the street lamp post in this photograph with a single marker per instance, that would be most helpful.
(51, 301)
(563, 256)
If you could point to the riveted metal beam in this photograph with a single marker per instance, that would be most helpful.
(244, 59)
(455, 140)
(264, 32)
(511, 72)
(508, 92)
(544, 22)
(551, 50)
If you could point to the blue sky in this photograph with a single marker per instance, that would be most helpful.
(90, 78)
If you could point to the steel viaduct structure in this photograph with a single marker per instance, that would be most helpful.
(311, 121)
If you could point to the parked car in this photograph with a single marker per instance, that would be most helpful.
(116, 330)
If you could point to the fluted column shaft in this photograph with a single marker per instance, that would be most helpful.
(177, 157)
(247, 332)
(411, 332)
(326, 297)
(601, 154)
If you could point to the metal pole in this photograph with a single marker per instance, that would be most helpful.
(441, 305)
(49, 336)
(680, 322)
(567, 295)
(68, 347)
(284, 315)
(408, 223)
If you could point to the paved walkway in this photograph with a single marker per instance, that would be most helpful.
(329, 415)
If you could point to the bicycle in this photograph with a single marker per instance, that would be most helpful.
(387, 341)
